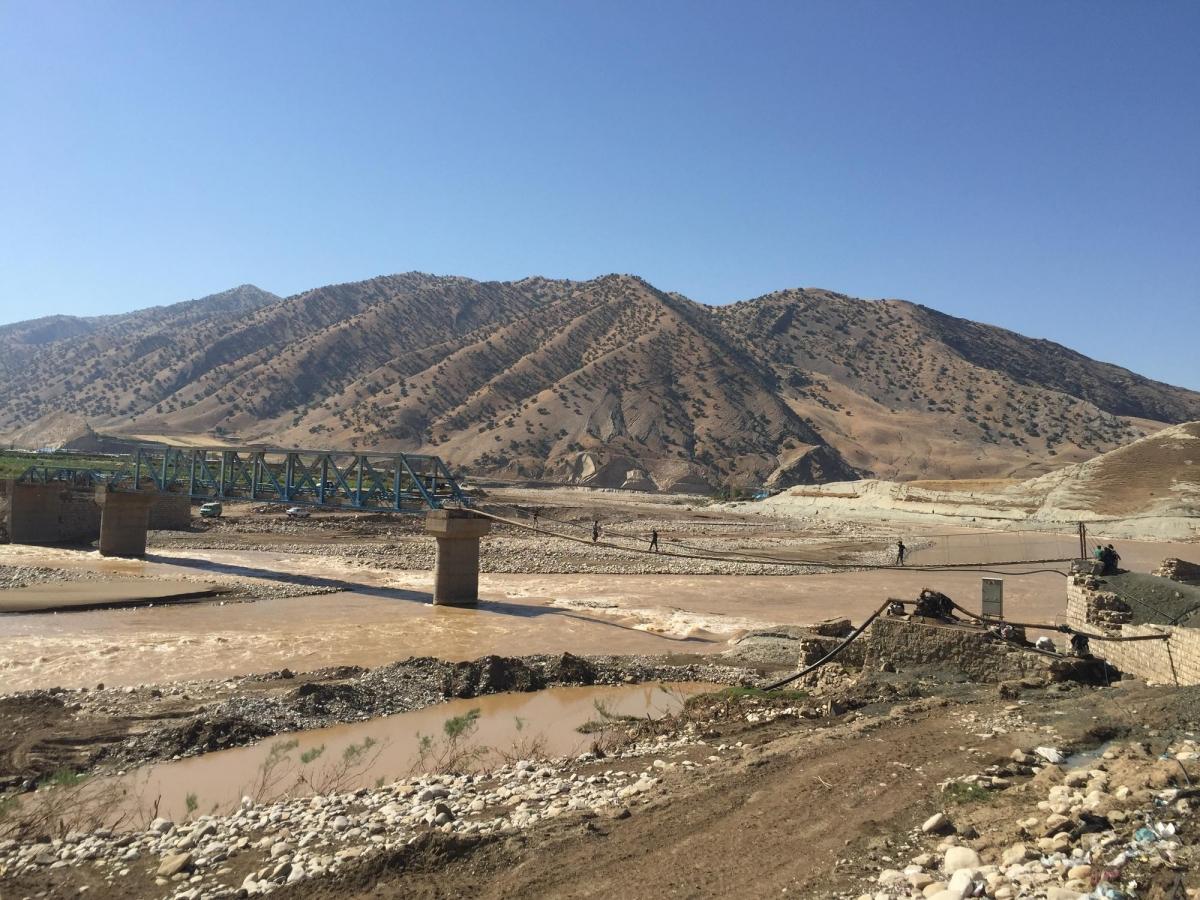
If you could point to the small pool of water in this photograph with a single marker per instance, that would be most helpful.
(1086, 759)
(346, 757)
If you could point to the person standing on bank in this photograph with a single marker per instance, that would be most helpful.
(654, 539)
(595, 530)
(900, 551)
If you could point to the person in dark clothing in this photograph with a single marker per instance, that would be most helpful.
(1115, 557)
(595, 530)
(537, 511)
(900, 551)
(654, 539)
(1108, 559)
(1079, 646)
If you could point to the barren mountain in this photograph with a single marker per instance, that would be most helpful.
(586, 382)
(1155, 477)
(1148, 489)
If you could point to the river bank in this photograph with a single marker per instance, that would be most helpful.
(106, 729)
(853, 771)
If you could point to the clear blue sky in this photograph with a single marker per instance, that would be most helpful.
(1034, 165)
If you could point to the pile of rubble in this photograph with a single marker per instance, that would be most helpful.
(1103, 830)
(1179, 570)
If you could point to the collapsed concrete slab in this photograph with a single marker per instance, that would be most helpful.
(64, 513)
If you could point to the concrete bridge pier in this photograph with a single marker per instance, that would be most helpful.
(124, 520)
(456, 573)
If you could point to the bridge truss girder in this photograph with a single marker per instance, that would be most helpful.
(393, 482)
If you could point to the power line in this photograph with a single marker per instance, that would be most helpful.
(767, 559)
(749, 559)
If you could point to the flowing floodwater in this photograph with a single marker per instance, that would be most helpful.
(386, 615)
(508, 725)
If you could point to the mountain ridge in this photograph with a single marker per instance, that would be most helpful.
(588, 381)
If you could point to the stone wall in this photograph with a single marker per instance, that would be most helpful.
(1179, 570)
(78, 517)
(797, 645)
(1173, 661)
(970, 652)
(1089, 605)
(171, 512)
(5, 484)
(47, 514)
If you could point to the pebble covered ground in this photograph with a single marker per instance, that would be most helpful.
(1099, 830)
(290, 840)
(26, 576)
(1102, 826)
(397, 542)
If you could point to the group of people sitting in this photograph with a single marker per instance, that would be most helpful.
(1108, 559)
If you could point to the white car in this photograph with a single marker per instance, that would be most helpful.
(298, 512)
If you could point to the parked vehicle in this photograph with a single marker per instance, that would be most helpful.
(297, 512)
(211, 511)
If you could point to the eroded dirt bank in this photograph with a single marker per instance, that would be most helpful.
(818, 793)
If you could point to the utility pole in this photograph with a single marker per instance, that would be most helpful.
(1083, 540)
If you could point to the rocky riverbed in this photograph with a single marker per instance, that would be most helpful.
(562, 546)
(293, 840)
(12, 577)
(499, 555)
(106, 729)
(869, 785)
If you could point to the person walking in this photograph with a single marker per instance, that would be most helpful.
(654, 540)
(595, 530)
(900, 551)
(537, 511)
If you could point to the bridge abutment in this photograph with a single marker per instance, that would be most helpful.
(124, 521)
(53, 513)
(456, 573)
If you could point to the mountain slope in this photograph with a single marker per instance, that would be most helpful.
(587, 381)
(909, 392)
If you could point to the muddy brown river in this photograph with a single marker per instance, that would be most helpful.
(387, 614)
(508, 726)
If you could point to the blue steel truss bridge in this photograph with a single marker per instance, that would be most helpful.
(387, 482)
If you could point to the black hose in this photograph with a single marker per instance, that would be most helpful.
(1066, 629)
(832, 653)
